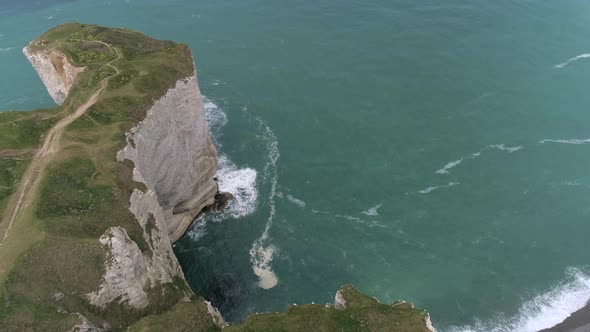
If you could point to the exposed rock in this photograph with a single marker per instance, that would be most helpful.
(58, 296)
(129, 271)
(339, 301)
(216, 315)
(174, 156)
(428, 323)
(126, 274)
(55, 70)
(220, 202)
(84, 325)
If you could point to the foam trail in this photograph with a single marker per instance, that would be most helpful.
(543, 311)
(5, 49)
(431, 189)
(501, 147)
(509, 149)
(576, 58)
(373, 211)
(261, 254)
(300, 203)
(565, 141)
(445, 170)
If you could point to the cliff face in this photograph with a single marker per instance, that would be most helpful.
(174, 156)
(176, 161)
(55, 70)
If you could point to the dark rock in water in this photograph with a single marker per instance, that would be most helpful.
(221, 200)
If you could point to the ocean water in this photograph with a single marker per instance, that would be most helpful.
(437, 152)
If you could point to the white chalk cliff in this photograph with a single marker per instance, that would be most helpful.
(174, 155)
(55, 70)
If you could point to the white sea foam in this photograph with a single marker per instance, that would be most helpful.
(543, 311)
(261, 252)
(240, 182)
(431, 189)
(299, 202)
(509, 149)
(565, 141)
(5, 49)
(576, 58)
(373, 211)
(455, 163)
(216, 119)
(445, 170)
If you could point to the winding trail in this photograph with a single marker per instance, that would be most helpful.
(27, 188)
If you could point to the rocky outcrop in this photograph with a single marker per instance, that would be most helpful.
(339, 301)
(55, 70)
(174, 156)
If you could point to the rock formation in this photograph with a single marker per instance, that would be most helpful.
(55, 70)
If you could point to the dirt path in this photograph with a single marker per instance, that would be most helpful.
(27, 188)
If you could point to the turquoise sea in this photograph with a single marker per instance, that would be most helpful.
(431, 151)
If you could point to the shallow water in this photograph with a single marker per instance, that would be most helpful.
(433, 152)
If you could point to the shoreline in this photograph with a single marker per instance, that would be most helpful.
(578, 321)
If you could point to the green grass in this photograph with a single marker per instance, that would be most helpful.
(11, 170)
(21, 130)
(362, 313)
(183, 317)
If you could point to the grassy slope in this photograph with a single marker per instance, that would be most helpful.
(85, 191)
(362, 313)
(183, 317)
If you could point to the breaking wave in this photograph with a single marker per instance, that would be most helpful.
(543, 311)
(261, 252)
(576, 58)
(240, 182)
(5, 49)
